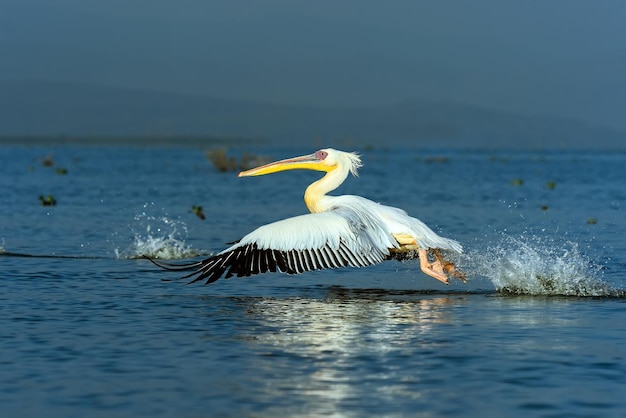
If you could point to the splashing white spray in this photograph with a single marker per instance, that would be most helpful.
(536, 266)
(157, 237)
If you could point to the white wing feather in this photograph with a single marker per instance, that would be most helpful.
(342, 237)
(355, 232)
(397, 221)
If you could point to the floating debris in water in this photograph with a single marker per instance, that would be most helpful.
(47, 161)
(223, 162)
(197, 210)
(592, 221)
(551, 185)
(47, 200)
(544, 207)
(517, 182)
(249, 160)
(220, 160)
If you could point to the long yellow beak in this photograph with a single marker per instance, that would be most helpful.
(306, 162)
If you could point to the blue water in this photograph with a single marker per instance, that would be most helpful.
(88, 328)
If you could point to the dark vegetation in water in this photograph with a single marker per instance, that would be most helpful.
(224, 162)
(48, 162)
(47, 200)
(197, 210)
(519, 182)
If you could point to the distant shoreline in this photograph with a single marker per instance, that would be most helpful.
(130, 140)
(62, 113)
(207, 141)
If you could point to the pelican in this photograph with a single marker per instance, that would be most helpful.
(340, 231)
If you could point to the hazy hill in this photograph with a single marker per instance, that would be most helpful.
(53, 109)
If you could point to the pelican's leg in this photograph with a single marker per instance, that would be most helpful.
(447, 266)
(434, 269)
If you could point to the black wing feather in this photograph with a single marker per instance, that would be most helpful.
(249, 260)
(245, 258)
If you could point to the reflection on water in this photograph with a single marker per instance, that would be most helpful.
(402, 352)
(338, 324)
(143, 347)
(350, 342)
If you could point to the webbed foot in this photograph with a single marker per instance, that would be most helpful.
(434, 269)
(448, 267)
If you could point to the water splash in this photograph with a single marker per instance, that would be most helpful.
(158, 237)
(539, 266)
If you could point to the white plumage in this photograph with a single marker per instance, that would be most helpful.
(340, 231)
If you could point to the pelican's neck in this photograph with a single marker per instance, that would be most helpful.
(315, 195)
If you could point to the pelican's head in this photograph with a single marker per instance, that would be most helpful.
(327, 160)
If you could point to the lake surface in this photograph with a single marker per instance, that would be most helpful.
(89, 328)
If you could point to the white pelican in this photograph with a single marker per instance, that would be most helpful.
(340, 231)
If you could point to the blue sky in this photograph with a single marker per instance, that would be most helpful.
(551, 57)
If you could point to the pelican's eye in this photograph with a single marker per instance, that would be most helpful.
(321, 154)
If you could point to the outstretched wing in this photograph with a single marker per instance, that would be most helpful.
(337, 238)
